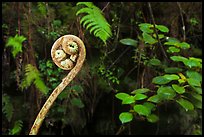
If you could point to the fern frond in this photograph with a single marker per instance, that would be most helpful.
(17, 128)
(16, 44)
(7, 107)
(95, 21)
(32, 75)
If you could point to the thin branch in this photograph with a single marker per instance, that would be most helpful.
(183, 28)
(105, 6)
(154, 24)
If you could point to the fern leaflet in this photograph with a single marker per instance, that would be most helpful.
(7, 107)
(32, 75)
(17, 127)
(95, 21)
(16, 44)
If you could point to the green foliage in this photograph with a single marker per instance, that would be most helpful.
(7, 107)
(179, 84)
(95, 21)
(32, 75)
(16, 128)
(16, 44)
(42, 8)
(129, 42)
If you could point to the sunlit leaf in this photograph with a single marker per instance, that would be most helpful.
(187, 105)
(183, 45)
(194, 75)
(166, 92)
(125, 117)
(160, 80)
(162, 28)
(194, 82)
(178, 88)
(146, 27)
(140, 96)
(141, 90)
(128, 100)
(148, 38)
(141, 110)
(173, 49)
(171, 76)
(149, 105)
(122, 96)
(154, 62)
(129, 42)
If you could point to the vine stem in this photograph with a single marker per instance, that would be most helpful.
(41, 115)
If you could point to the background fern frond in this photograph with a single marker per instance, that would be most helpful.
(16, 44)
(7, 107)
(95, 21)
(17, 127)
(32, 75)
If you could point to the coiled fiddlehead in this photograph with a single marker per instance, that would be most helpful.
(68, 52)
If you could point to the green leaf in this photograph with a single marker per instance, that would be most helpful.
(194, 75)
(129, 42)
(63, 95)
(183, 45)
(125, 117)
(178, 89)
(192, 63)
(162, 28)
(173, 70)
(187, 105)
(197, 89)
(122, 96)
(141, 110)
(196, 102)
(160, 80)
(178, 58)
(149, 105)
(141, 90)
(193, 82)
(166, 92)
(128, 100)
(173, 43)
(17, 127)
(152, 118)
(154, 99)
(154, 62)
(77, 88)
(171, 76)
(146, 27)
(77, 102)
(197, 96)
(173, 50)
(148, 38)
(140, 96)
(159, 35)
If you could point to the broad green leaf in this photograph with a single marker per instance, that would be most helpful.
(194, 75)
(129, 42)
(196, 103)
(146, 27)
(173, 49)
(187, 105)
(155, 62)
(125, 117)
(162, 28)
(159, 35)
(152, 118)
(196, 59)
(141, 110)
(128, 100)
(122, 96)
(149, 105)
(183, 45)
(148, 38)
(166, 92)
(178, 58)
(141, 90)
(171, 76)
(77, 102)
(173, 70)
(193, 82)
(178, 89)
(154, 98)
(197, 89)
(63, 95)
(140, 96)
(197, 96)
(160, 80)
(192, 63)
(173, 43)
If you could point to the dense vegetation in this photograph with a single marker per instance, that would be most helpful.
(142, 73)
